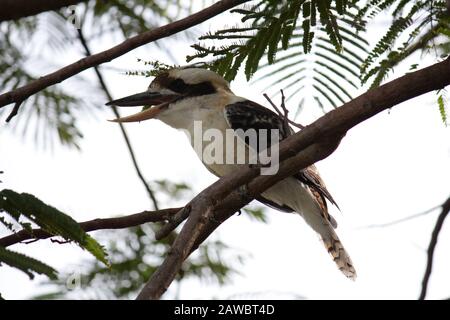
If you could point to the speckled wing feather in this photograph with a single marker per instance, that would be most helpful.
(247, 115)
(310, 176)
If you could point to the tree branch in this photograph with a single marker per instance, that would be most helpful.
(121, 126)
(16, 9)
(219, 201)
(432, 246)
(22, 93)
(96, 224)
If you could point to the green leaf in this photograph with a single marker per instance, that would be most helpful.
(275, 36)
(26, 264)
(331, 26)
(341, 6)
(407, 24)
(313, 14)
(306, 36)
(256, 213)
(255, 55)
(97, 250)
(50, 219)
(7, 224)
(442, 110)
(232, 72)
(306, 9)
(287, 34)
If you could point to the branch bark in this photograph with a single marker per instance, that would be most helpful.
(96, 224)
(432, 246)
(219, 201)
(16, 9)
(22, 93)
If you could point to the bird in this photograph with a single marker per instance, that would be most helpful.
(180, 97)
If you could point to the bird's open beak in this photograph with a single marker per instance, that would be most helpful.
(158, 100)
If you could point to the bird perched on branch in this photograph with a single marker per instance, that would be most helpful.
(186, 96)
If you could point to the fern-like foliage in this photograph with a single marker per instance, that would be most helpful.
(303, 42)
(26, 264)
(269, 23)
(442, 102)
(19, 261)
(323, 74)
(416, 25)
(55, 222)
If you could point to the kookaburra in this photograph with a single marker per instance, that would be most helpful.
(180, 97)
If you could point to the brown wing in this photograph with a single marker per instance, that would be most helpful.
(310, 176)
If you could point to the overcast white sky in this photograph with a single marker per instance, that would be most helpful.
(391, 166)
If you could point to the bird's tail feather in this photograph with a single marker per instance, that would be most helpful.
(337, 251)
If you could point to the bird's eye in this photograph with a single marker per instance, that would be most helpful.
(178, 86)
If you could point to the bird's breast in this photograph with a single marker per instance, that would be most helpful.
(215, 143)
(203, 120)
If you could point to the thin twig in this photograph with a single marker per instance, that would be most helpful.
(60, 241)
(14, 111)
(22, 93)
(121, 126)
(432, 246)
(284, 114)
(30, 241)
(96, 224)
(411, 217)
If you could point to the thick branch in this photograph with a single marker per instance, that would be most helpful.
(432, 246)
(219, 201)
(22, 93)
(96, 224)
(16, 9)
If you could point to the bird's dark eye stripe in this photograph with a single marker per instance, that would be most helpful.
(189, 90)
(201, 89)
